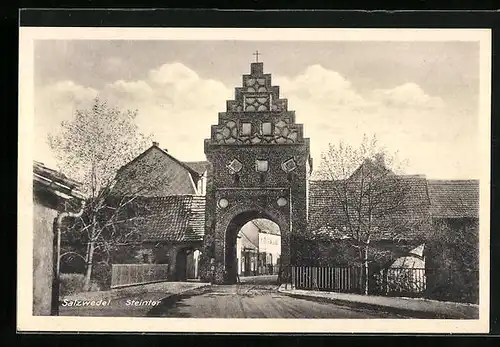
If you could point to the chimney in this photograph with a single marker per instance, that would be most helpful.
(156, 144)
(165, 149)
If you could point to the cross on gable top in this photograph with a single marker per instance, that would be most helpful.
(257, 56)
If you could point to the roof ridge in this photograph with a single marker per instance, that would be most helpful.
(183, 164)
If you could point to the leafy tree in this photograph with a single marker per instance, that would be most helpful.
(453, 260)
(91, 148)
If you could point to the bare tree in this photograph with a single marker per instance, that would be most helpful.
(370, 198)
(91, 148)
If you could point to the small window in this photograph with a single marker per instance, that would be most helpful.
(266, 128)
(246, 129)
(261, 165)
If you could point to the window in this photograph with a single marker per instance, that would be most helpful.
(261, 165)
(289, 165)
(266, 128)
(246, 129)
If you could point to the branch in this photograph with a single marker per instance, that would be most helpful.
(71, 252)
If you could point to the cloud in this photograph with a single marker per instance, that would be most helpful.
(408, 95)
(178, 107)
(55, 103)
(405, 118)
(322, 87)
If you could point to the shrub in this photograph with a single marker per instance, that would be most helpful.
(101, 274)
(72, 283)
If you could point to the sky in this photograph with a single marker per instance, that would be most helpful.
(418, 98)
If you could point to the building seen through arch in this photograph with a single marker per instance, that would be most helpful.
(258, 248)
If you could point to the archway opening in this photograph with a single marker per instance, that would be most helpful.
(186, 264)
(253, 248)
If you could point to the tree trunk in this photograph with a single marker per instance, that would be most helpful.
(365, 266)
(88, 270)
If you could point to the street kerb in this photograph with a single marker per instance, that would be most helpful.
(471, 313)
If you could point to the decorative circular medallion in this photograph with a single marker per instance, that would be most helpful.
(223, 203)
(281, 202)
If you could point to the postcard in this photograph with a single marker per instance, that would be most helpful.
(254, 180)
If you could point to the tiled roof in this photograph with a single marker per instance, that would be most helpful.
(56, 181)
(323, 206)
(454, 199)
(266, 226)
(155, 173)
(435, 198)
(173, 218)
(199, 166)
(326, 209)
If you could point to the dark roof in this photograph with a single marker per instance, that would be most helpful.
(454, 199)
(56, 181)
(417, 195)
(165, 152)
(199, 166)
(173, 218)
(266, 226)
(155, 173)
(325, 207)
(435, 198)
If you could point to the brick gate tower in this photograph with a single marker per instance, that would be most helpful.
(259, 168)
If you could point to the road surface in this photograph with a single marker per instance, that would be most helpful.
(258, 300)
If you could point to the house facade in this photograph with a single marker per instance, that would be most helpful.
(437, 243)
(170, 194)
(258, 248)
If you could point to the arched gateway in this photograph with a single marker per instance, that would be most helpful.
(259, 168)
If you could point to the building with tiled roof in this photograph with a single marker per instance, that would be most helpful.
(441, 199)
(175, 204)
(169, 196)
(446, 235)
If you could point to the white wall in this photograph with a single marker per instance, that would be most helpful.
(270, 243)
(238, 253)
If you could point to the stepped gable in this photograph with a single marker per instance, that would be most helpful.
(257, 115)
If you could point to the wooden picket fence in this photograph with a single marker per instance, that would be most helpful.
(338, 279)
(132, 274)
